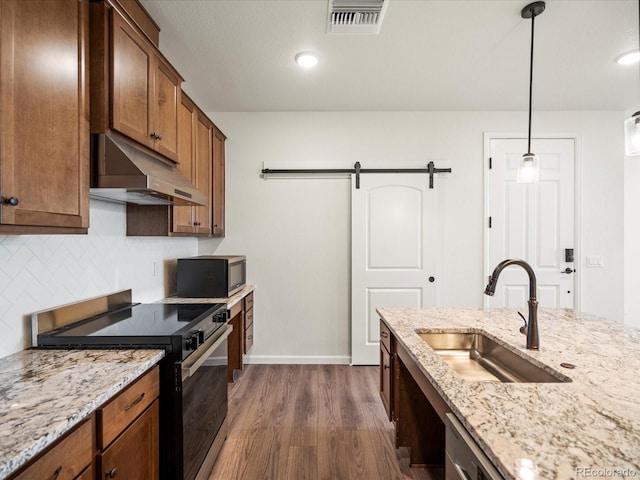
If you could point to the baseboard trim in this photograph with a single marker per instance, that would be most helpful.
(296, 360)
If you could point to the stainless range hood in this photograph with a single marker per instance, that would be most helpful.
(124, 174)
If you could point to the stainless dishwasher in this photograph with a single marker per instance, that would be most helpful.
(465, 460)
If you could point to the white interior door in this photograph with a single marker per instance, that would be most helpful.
(533, 222)
(394, 219)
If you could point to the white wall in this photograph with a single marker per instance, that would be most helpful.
(42, 271)
(632, 241)
(295, 232)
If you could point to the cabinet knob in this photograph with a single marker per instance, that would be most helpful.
(154, 135)
(159, 137)
(111, 473)
(13, 201)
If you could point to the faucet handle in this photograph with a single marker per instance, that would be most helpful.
(523, 329)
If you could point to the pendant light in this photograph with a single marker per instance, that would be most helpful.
(529, 169)
(632, 125)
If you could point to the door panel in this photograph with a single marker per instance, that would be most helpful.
(131, 87)
(393, 253)
(533, 222)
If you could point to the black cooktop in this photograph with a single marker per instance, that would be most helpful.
(144, 323)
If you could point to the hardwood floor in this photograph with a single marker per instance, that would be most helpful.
(295, 422)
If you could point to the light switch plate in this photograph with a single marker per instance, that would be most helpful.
(595, 261)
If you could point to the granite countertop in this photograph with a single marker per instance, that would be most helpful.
(44, 393)
(230, 301)
(587, 428)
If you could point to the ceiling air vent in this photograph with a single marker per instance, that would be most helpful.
(356, 16)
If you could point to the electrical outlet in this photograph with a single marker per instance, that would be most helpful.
(595, 261)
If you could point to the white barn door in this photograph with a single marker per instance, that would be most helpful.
(394, 221)
(533, 222)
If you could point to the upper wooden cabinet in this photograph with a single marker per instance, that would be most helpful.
(218, 183)
(44, 116)
(201, 160)
(195, 154)
(134, 90)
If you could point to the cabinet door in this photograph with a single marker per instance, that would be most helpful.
(131, 62)
(166, 99)
(203, 172)
(44, 116)
(183, 216)
(218, 183)
(385, 379)
(134, 455)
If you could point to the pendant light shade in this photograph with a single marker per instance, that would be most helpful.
(632, 135)
(632, 125)
(529, 169)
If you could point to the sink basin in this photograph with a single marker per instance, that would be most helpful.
(475, 356)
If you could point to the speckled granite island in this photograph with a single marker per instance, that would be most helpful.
(589, 427)
(45, 393)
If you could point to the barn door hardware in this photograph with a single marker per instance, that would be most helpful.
(358, 170)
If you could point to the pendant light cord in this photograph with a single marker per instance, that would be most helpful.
(533, 19)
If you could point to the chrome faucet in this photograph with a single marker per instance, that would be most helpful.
(533, 340)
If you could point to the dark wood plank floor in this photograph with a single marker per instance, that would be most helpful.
(295, 422)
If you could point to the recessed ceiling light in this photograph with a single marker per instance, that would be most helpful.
(628, 58)
(307, 59)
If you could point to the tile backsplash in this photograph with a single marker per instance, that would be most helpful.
(43, 271)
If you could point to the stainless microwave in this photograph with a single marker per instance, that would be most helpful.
(211, 276)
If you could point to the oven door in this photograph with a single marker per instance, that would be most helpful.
(204, 404)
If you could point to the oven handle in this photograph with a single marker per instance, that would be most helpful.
(189, 367)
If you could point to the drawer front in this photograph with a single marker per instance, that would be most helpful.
(248, 338)
(235, 310)
(248, 301)
(248, 318)
(114, 417)
(68, 457)
(385, 336)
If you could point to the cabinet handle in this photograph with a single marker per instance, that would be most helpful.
(159, 137)
(111, 473)
(386, 367)
(384, 334)
(133, 404)
(13, 201)
(154, 135)
(56, 473)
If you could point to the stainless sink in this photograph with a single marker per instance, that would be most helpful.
(475, 356)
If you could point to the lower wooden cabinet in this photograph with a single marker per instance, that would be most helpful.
(248, 322)
(387, 370)
(135, 453)
(128, 432)
(241, 339)
(122, 437)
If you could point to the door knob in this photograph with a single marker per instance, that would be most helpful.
(13, 201)
(568, 270)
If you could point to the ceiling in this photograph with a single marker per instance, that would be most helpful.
(238, 55)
